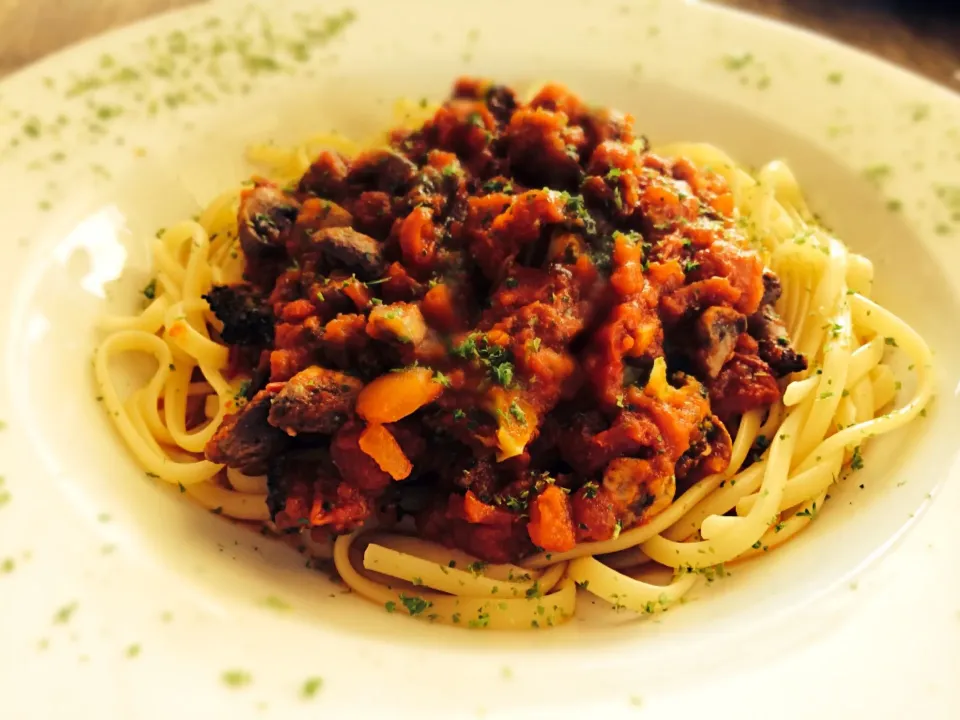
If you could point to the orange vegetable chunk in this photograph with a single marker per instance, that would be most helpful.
(395, 395)
(377, 442)
(551, 523)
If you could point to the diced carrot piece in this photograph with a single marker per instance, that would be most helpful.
(517, 421)
(357, 292)
(377, 442)
(723, 204)
(288, 336)
(418, 237)
(338, 330)
(626, 250)
(498, 337)
(284, 364)
(297, 310)
(398, 322)
(478, 512)
(439, 309)
(628, 279)
(551, 523)
(395, 395)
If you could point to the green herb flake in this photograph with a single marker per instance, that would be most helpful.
(63, 615)
(920, 112)
(31, 128)
(891, 341)
(476, 567)
(276, 603)
(504, 373)
(236, 678)
(311, 686)
(414, 604)
(617, 529)
(737, 62)
(133, 650)
(856, 462)
(482, 621)
(835, 77)
(517, 412)
(878, 173)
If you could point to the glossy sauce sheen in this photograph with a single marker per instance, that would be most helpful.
(471, 328)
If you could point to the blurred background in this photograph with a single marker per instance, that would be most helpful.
(923, 35)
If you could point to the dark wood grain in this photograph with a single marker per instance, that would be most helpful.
(923, 35)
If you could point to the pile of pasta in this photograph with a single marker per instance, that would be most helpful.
(799, 448)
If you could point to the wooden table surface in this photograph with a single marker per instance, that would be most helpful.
(925, 41)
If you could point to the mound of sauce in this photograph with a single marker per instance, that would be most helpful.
(515, 324)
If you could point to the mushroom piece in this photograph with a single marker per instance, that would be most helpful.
(346, 247)
(266, 214)
(717, 330)
(315, 400)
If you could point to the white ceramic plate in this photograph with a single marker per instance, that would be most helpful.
(118, 599)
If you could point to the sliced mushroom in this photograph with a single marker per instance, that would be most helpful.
(383, 170)
(315, 400)
(348, 248)
(717, 330)
(326, 176)
(774, 346)
(266, 214)
(245, 440)
(770, 332)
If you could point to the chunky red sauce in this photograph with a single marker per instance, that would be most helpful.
(466, 328)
